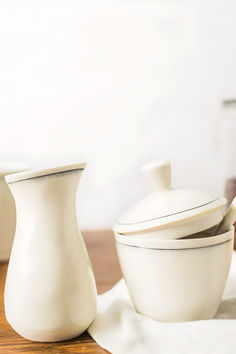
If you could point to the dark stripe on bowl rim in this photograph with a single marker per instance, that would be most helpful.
(173, 249)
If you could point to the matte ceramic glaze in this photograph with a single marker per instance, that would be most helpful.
(170, 213)
(50, 292)
(176, 280)
(7, 211)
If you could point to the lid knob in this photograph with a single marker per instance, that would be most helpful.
(158, 173)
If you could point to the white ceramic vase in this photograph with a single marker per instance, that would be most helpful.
(7, 211)
(50, 292)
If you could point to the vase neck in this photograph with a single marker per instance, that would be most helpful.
(52, 194)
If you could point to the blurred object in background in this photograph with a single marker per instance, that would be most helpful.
(230, 189)
(229, 149)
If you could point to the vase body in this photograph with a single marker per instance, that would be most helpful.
(50, 292)
(7, 211)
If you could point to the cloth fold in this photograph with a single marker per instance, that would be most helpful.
(120, 330)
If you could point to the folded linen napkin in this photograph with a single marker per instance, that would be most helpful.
(120, 330)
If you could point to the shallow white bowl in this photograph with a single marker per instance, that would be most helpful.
(176, 280)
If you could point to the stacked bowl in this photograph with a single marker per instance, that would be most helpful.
(173, 259)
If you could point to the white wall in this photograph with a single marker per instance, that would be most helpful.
(117, 83)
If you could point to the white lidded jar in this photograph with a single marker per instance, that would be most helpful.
(173, 270)
(50, 292)
(7, 210)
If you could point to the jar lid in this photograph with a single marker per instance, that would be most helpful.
(166, 207)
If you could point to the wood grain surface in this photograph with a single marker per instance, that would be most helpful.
(101, 248)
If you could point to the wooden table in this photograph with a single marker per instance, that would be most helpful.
(103, 255)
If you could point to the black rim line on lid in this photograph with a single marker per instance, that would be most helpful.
(165, 216)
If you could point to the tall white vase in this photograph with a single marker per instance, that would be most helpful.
(7, 210)
(50, 292)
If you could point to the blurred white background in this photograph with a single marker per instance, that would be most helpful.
(117, 83)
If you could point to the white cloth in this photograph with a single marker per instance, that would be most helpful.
(120, 330)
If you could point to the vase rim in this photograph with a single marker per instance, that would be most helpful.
(43, 172)
(7, 168)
